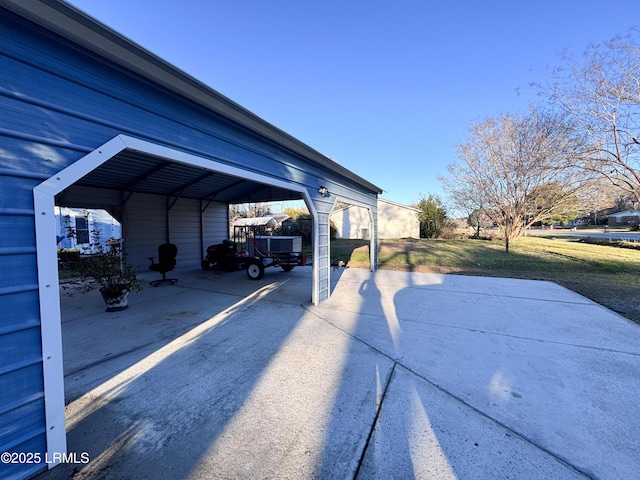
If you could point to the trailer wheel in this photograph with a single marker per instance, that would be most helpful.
(255, 269)
(286, 268)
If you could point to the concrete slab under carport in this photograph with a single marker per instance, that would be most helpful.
(398, 375)
(160, 314)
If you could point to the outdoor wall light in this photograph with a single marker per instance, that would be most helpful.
(323, 190)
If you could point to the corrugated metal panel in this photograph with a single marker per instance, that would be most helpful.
(19, 471)
(144, 228)
(106, 102)
(321, 252)
(133, 171)
(73, 24)
(184, 225)
(214, 223)
(22, 423)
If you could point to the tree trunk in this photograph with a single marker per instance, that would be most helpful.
(507, 234)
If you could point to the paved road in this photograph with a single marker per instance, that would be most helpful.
(615, 235)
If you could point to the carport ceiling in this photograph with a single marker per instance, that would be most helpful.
(136, 172)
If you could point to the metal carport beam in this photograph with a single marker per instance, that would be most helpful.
(178, 191)
(211, 197)
(132, 186)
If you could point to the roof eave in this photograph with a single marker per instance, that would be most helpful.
(73, 24)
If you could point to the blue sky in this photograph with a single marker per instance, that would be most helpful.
(386, 89)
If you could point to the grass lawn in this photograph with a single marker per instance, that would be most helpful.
(605, 274)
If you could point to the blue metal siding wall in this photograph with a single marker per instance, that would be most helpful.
(58, 103)
(22, 426)
(77, 102)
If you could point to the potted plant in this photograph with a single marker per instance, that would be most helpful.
(103, 266)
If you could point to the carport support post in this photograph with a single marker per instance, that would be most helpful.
(322, 242)
(320, 208)
(49, 290)
(373, 241)
(50, 324)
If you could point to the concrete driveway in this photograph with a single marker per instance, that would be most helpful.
(398, 375)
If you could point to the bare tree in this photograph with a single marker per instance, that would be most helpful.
(520, 169)
(597, 196)
(625, 202)
(249, 210)
(479, 220)
(601, 91)
(465, 200)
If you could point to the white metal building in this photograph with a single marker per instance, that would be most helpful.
(394, 221)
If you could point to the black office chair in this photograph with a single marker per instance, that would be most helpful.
(167, 253)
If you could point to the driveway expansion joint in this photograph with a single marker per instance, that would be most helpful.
(396, 362)
(375, 421)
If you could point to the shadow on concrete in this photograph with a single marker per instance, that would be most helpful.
(150, 389)
(397, 375)
(492, 378)
(215, 377)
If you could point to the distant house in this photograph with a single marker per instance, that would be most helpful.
(394, 221)
(624, 217)
(578, 221)
(83, 229)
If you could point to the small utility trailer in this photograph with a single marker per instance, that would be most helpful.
(258, 252)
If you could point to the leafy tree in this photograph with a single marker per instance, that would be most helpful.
(300, 225)
(432, 216)
(295, 212)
